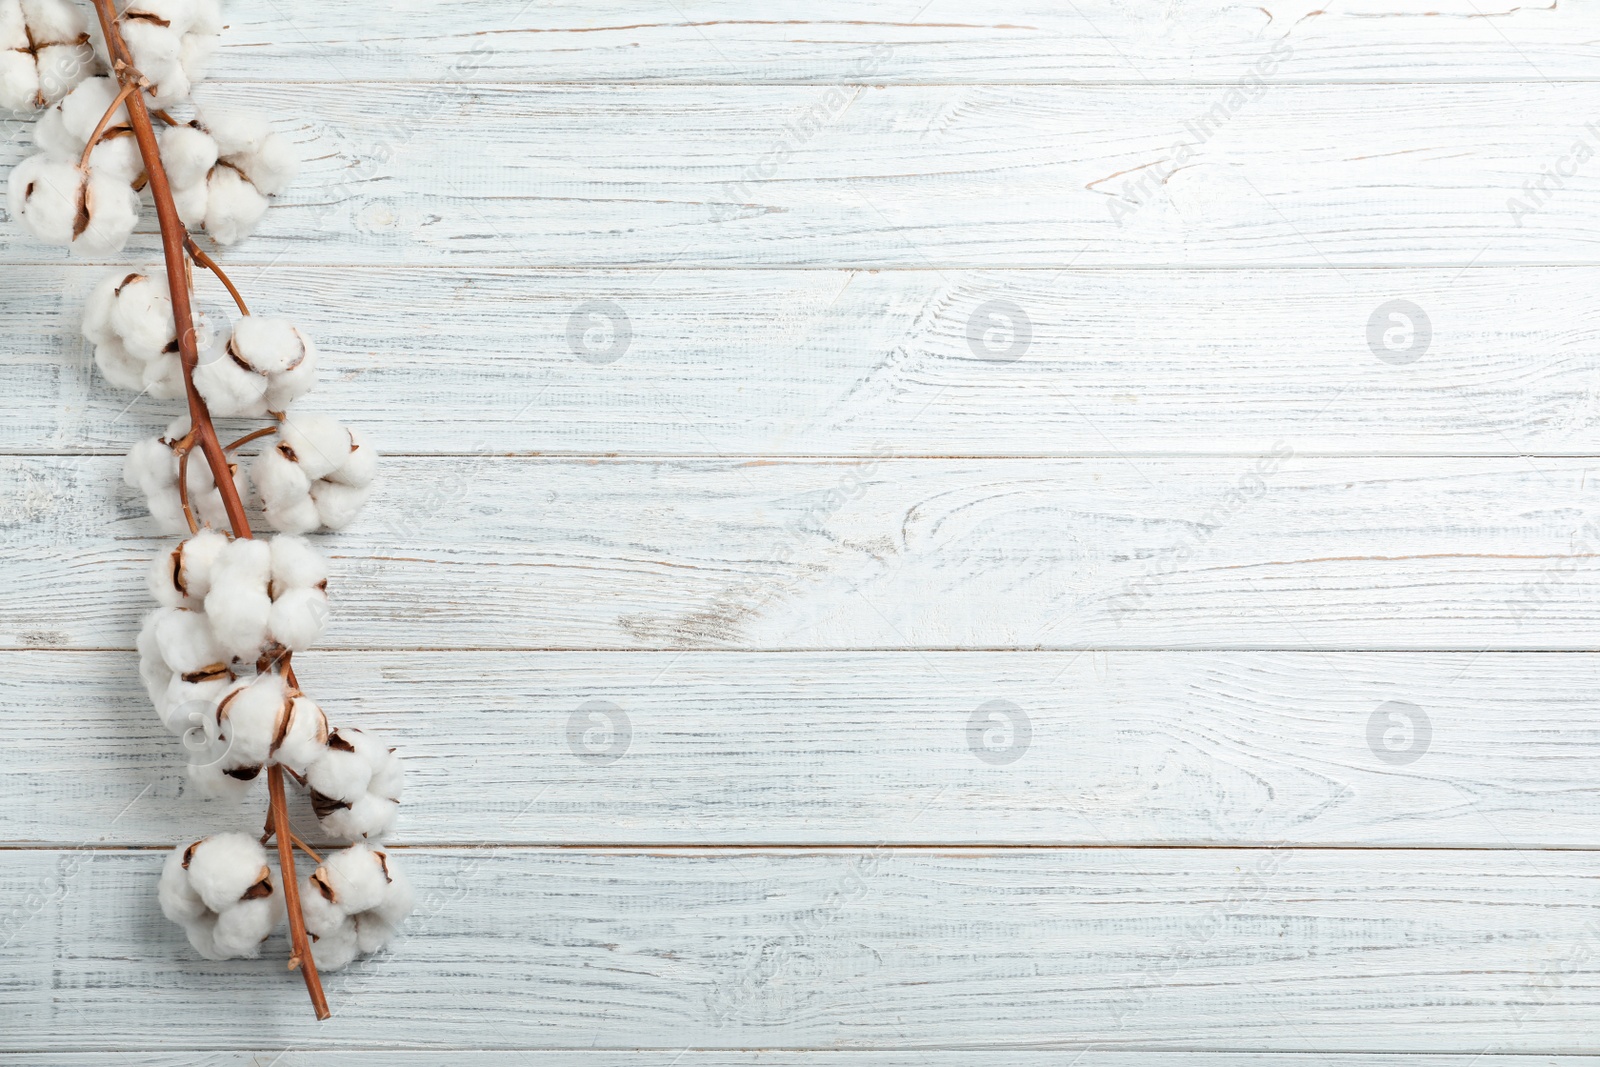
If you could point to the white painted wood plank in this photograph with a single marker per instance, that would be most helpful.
(805, 362)
(908, 40)
(1273, 551)
(301, 1054)
(1492, 749)
(1440, 951)
(922, 176)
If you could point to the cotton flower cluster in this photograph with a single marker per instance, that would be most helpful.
(353, 904)
(172, 41)
(320, 474)
(128, 319)
(152, 468)
(44, 52)
(230, 606)
(265, 364)
(220, 890)
(222, 165)
(209, 655)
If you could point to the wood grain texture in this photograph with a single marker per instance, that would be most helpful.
(300, 1055)
(1284, 949)
(895, 41)
(1494, 749)
(1273, 551)
(806, 362)
(922, 176)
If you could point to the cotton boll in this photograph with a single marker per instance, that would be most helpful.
(224, 867)
(234, 207)
(47, 195)
(360, 466)
(19, 82)
(250, 717)
(207, 19)
(211, 777)
(355, 878)
(152, 468)
(190, 202)
(230, 389)
(340, 775)
(299, 618)
(279, 480)
(305, 738)
(371, 816)
(187, 643)
(156, 51)
(326, 456)
(153, 669)
(188, 154)
(54, 20)
(220, 890)
(296, 565)
(338, 505)
(237, 603)
(241, 929)
(195, 53)
(182, 577)
(141, 315)
(274, 348)
(355, 785)
(61, 67)
(355, 891)
(118, 367)
(272, 166)
(237, 132)
(319, 444)
(82, 109)
(112, 211)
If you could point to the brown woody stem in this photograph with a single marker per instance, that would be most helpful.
(301, 956)
(173, 238)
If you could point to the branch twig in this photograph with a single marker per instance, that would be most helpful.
(265, 431)
(100, 128)
(210, 264)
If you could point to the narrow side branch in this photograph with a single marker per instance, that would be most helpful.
(210, 264)
(100, 127)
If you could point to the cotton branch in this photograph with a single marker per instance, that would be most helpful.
(174, 237)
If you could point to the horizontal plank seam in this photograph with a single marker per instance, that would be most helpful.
(976, 848)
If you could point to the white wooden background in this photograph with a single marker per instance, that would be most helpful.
(791, 672)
